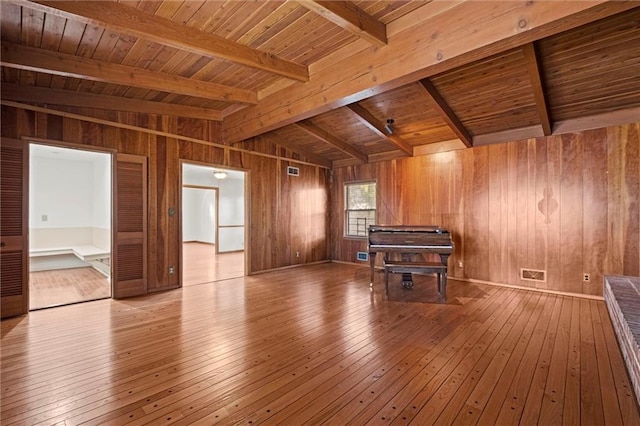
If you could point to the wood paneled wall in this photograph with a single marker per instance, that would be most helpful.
(288, 214)
(565, 204)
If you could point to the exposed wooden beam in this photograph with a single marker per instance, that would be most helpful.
(607, 119)
(373, 158)
(438, 147)
(420, 45)
(129, 20)
(293, 147)
(327, 137)
(535, 76)
(445, 111)
(509, 135)
(43, 95)
(350, 17)
(41, 60)
(377, 127)
(573, 125)
(146, 130)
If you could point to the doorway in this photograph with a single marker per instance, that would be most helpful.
(212, 224)
(70, 209)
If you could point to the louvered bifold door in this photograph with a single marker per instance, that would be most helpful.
(14, 181)
(130, 224)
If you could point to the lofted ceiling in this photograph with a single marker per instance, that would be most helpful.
(322, 78)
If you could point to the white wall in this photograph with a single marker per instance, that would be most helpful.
(73, 190)
(102, 192)
(198, 215)
(230, 207)
(61, 190)
(231, 213)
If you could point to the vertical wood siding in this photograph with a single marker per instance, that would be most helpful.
(288, 215)
(565, 204)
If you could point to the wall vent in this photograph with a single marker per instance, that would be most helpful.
(533, 275)
(362, 256)
(293, 171)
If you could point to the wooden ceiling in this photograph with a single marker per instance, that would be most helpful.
(323, 77)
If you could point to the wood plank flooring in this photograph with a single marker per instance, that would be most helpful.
(65, 286)
(314, 345)
(201, 264)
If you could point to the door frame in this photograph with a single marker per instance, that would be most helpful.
(247, 215)
(69, 145)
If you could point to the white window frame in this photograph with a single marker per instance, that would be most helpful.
(369, 214)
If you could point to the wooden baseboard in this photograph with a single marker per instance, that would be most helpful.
(289, 267)
(518, 287)
(361, 263)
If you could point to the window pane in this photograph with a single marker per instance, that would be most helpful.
(360, 208)
(361, 196)
(358, 221)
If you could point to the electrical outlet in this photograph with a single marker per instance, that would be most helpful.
(297, 254)
(587, 277)
(172, 270)
(460, 264)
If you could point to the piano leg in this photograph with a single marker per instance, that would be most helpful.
(444, 258)
(372, 263)
(443, 286)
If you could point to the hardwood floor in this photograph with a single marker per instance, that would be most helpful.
(65, 286)
(314, 345)
(201, 264)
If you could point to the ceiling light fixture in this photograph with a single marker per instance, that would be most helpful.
(219, 174)
(388, 127)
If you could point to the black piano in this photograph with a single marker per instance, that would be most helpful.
(408, 241)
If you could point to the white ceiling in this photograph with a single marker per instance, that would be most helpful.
(58, 153)
(196, 169)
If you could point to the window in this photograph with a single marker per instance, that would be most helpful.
(360, 208)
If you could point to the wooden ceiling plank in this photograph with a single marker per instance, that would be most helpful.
(43, 95)
(533, 67)
(129, 20)
(377, 127)
(465, 33)
(332, 140)
(11, 22)
(445, 111)
(29, 58)
(271, 21)
(291, 146)
(350, 17)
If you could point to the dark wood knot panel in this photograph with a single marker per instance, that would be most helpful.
(622, 297)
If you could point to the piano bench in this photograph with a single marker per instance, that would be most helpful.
(420, 268)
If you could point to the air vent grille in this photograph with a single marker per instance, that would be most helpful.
(533, 275)
(362, 256)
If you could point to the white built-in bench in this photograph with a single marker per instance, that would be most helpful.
(96, 257)
(622, 298)
(84, 253)
(403, 267)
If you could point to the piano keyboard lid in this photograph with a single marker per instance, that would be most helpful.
(408, 228)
